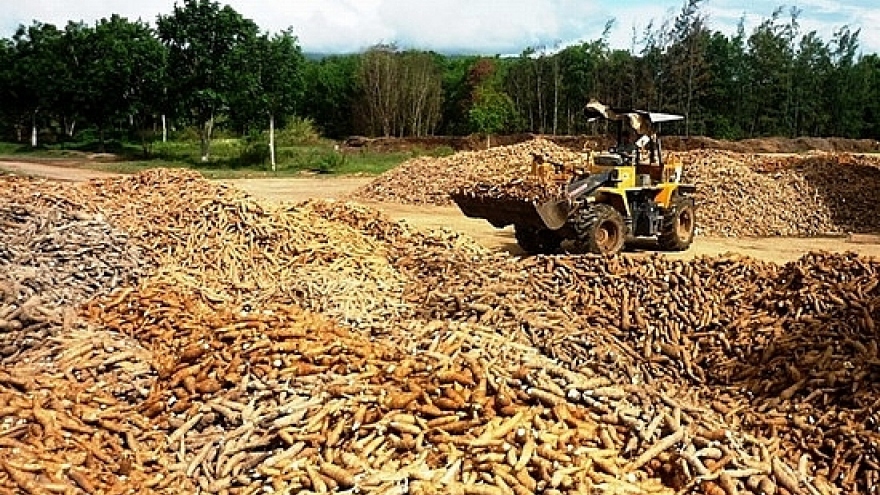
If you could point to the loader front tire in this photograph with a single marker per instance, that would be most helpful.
(600, 229)
(677, 229)
(536, 241)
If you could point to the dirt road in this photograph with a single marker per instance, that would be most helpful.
(56, 170)
(778, 250)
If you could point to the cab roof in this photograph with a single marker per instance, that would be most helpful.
(640, 120)
(624, 113)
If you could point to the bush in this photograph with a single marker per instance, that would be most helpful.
(191, 133)
(255, 150)
(298, 131)
(314, 159)
(330, 162)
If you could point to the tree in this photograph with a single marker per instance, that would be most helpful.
(377, 77)
(578, 64)
(869, 66)
(847, 89)
(72, 84)
(123, 73)
(331, 86)
(769, 59)
(36, 61)
(7, 76)
(402, 93)
(272, 84)
(654, 65)
(421, 94)
(726, 88)
(687, 59)
(456, 93)
(812, 72)
(492, 112)
(773, 80)
(281, 80)
(203, 40)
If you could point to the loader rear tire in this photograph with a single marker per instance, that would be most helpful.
(536, 241)
(677, 228)
(600, 229)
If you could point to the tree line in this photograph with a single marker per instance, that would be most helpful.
(205, 66)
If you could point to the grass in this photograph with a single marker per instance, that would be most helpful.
(18, 150)
(229, 158)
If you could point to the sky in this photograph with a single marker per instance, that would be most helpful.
(464, 26)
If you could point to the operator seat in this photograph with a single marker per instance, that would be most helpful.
(608, 160)
(651, 169)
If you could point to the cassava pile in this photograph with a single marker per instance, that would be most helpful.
(515, 190)
(62, 254)
(464, 372)
(753, 195)
(231, 247)
(52, 257)
(68, 398)
(66, 392)
(282, 400)
(737, 194)
(430, 180)
(786, 353)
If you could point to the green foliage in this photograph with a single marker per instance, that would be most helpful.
(330, 162)
(297, 131)
(192, 134)
(270, 83)
(38, 66)
(255, 151)
(456, 94)
(331, 88)
(206, 43)
(119, 71)
(492, 113)
(215, 75)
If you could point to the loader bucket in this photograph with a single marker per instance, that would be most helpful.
(501, 212)
(554, 214)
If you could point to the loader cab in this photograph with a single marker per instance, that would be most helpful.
(637, 153)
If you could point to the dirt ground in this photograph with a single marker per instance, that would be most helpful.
(779, 250)
(55, 170)
(776, 249)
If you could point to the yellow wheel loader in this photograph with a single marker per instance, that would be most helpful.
(629, 192)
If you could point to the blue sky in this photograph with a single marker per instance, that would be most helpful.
(474, 26)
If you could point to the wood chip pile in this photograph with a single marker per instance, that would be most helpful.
(737, 195)
(418, 363)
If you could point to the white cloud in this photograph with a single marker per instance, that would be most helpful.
(483, 26)
(870, 37)
(59, 12)
(822, 16)
(479, 25)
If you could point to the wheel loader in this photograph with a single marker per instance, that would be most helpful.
(625, 194)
